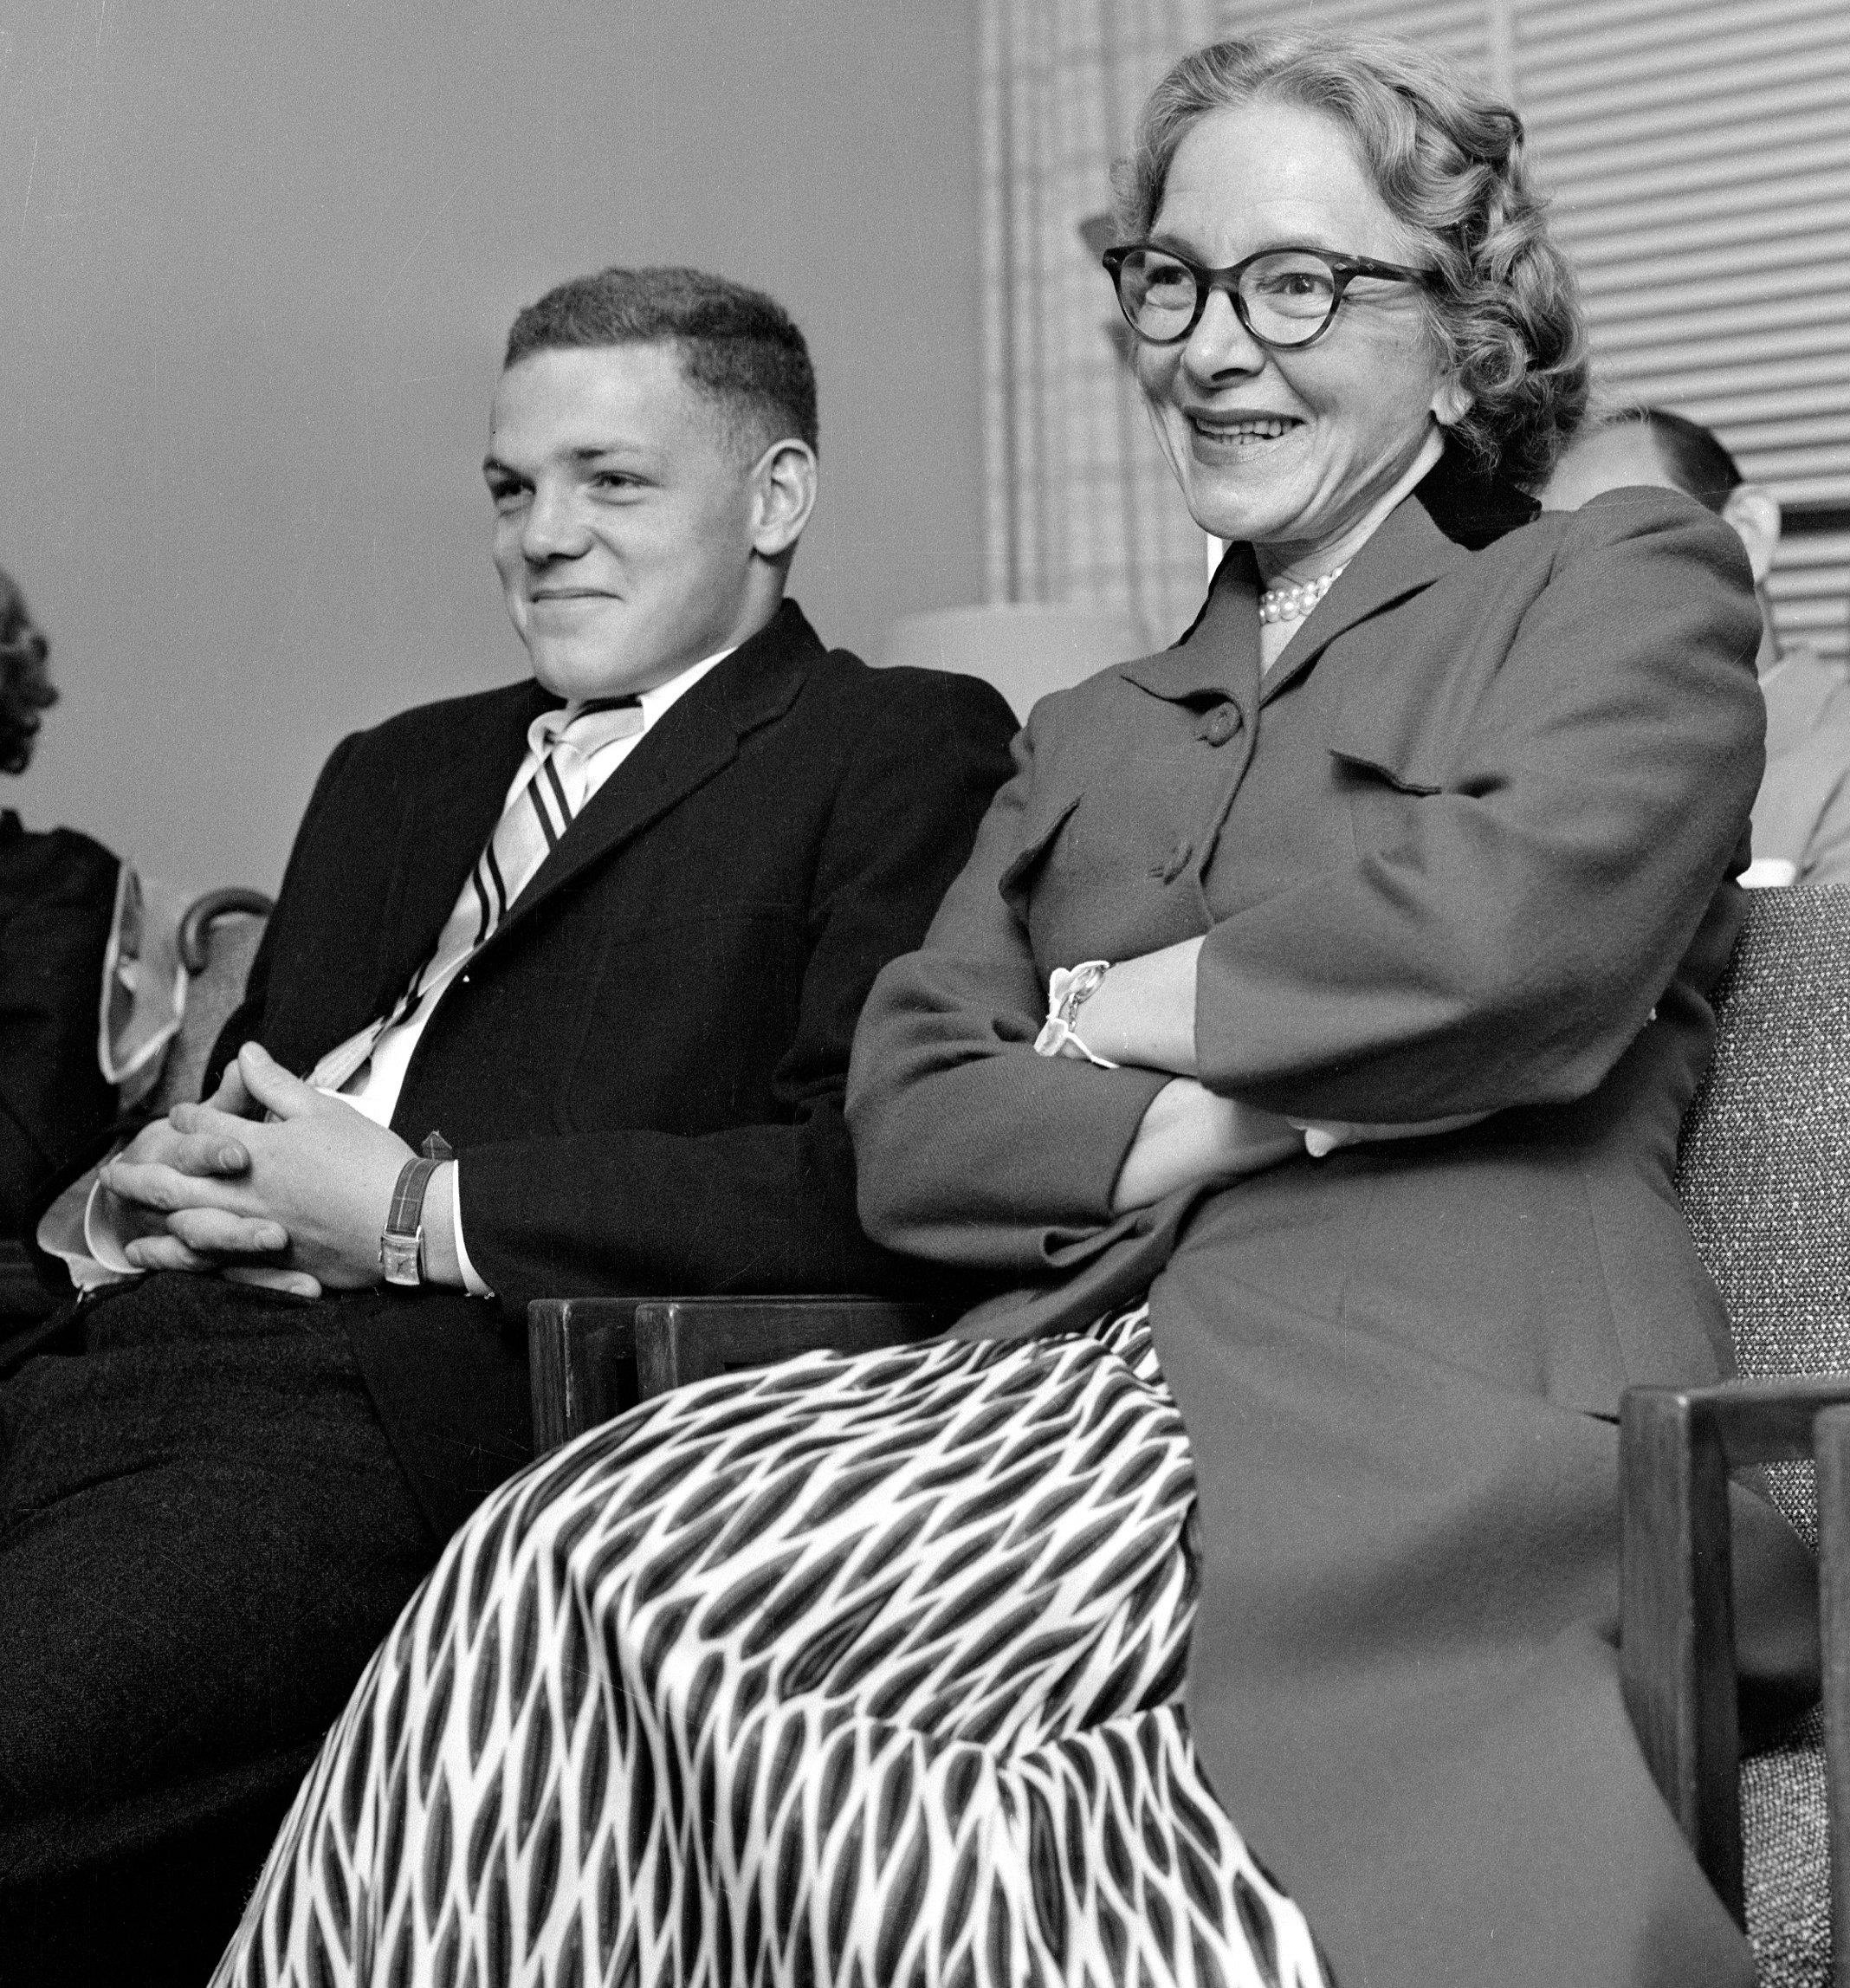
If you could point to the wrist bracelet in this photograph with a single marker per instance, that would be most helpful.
(1068, 990)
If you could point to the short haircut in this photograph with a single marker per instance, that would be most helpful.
(1447, 159)
(25, 683)
(1694, 458)
(737, 345)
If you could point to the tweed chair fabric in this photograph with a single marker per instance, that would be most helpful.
(1764, 1177)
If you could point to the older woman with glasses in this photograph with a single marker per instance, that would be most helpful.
(1304, 1046)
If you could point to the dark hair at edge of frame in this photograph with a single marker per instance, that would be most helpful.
(737, 345)
(25, 683)
(1693, 457)
(1447, 159)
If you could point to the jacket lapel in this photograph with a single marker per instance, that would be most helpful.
(1218, 657)
(695, 738)
(1453, 512)
(1407, 552)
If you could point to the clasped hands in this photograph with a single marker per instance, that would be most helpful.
(293, 1203)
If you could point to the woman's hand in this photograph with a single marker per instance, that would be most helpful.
(1143, 1011)
(1190, 1137)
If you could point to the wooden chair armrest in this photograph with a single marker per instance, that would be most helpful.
(1677, 1447)
(581, 1354)
(592, 1358)
(683, 1339)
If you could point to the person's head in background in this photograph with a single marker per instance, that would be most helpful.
(1651, 446)
(25, 682)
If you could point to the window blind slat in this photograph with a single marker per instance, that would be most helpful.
(1699, 59)
(1797, 222)
(1817, 312)
(1598, 29)
(1615, 176)
(1729, 412)
(1619, 296)
(1806, 583)
(1666, 285)
(1819, 430)
(1645, 113)
(1643, 219)
(1807, 355)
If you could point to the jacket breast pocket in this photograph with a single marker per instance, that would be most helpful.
(1388, 789)
(1090, 884)
(1030, 866)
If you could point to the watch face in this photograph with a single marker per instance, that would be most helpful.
(398, 1258)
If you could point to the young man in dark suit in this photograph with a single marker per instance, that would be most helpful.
(557, 998)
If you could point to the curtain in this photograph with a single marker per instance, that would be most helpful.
(1081, 506)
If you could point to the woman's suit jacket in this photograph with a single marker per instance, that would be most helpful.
(1465, 849)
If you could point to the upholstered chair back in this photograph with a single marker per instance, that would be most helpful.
(1764, 1165)
(1764, 1173)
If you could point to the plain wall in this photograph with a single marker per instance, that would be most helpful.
(257, 258)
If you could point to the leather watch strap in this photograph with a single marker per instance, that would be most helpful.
(401, 1245)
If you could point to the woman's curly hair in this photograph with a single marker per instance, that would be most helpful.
(1447, 160)
(25, 683)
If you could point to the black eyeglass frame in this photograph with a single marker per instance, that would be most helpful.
(1343, 269)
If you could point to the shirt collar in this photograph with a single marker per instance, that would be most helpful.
(655, 703)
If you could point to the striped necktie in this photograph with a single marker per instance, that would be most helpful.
(532, 827)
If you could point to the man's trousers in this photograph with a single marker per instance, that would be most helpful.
(204, 1532)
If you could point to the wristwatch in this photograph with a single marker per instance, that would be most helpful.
(401, 1242)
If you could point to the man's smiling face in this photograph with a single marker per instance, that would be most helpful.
(624, 516)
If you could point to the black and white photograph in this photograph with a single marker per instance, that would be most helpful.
(924, 993)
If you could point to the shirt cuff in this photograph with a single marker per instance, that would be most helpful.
(85, 1229)
(472, 1281)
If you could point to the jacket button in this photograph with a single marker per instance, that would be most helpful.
(1221, 724)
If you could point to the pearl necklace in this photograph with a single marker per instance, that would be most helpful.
(1293, 602)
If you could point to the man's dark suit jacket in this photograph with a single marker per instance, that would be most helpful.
(642, 1070)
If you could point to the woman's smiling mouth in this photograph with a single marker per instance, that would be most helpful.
(1240, 431)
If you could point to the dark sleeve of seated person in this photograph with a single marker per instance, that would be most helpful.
(56, 893)
(641, 1074)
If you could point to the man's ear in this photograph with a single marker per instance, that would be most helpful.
(784, 495)
(1753, 510)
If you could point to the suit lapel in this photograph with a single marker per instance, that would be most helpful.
(1453, 512)
(1407, 552)
(695, 739)
(1218, 657)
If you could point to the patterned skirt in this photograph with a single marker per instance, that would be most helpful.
(846, 1671)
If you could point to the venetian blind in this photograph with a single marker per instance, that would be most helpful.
(1698, 154)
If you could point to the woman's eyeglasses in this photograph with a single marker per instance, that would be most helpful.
(1284, 297)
